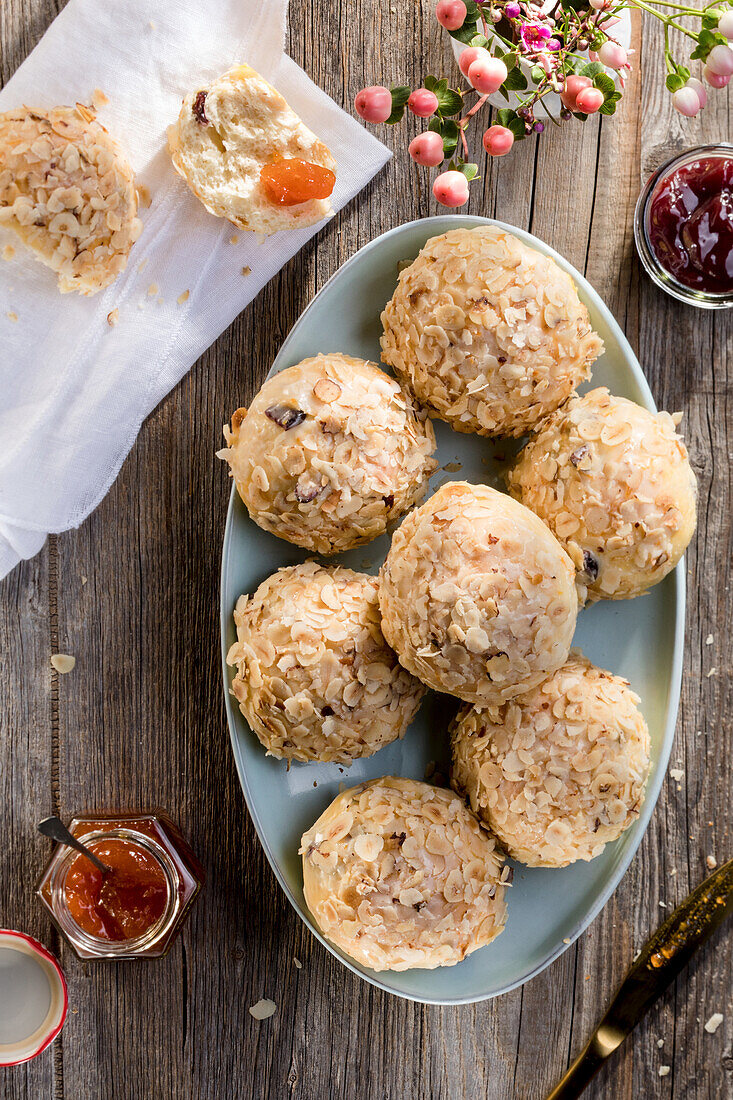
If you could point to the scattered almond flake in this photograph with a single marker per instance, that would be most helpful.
(183, 297)
(711, 673)
(660, 1043)
(297, 963)
(63, 662)
(141, 265)
(84, 112)
(153, 290)
(566, 939)
(246, 270)
(234, 238)
(663, 904)
(711, 862)
(663, 1071)
(143, 194)
(677, 774)
(12, 316)
(83, 579)
(709, 640)
(99, 99)
(714, 1023)
(113, 317)
(8, 252)
(263, 1009)
(673, 872)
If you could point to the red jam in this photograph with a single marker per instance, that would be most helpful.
(289, 182)
(690, 223)
(122, 903)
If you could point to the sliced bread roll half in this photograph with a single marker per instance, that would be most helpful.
(247, 156)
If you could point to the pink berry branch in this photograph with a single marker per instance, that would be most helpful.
(530, 54)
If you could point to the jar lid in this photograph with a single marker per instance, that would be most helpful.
(32, 982)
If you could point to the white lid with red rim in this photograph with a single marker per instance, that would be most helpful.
(33, 998)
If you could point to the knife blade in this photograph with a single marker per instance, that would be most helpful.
(656, 966)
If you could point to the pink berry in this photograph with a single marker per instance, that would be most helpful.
(498, 140)
(374, 104)
(423, 103)
(699, 89)
(613, 55)
(487, 74)
(573, 85)
(427, 149)
(599, 5)
(589, 100)
(469, 55)
(451, 189)
(451, 14)
(686, 102)
(720, 60)
(725, 24)
(715, 80)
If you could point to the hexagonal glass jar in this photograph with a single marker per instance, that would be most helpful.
(157, 841)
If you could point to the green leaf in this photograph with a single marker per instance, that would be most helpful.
(518, 128)
(537, 73)
(400, 96)
(592, 69)
(480, 40)
(449, 132)
(605, 84)
(711, 18)
(608, 107)
(505, 115)
(706, 40)
(431, 83)
(674, 82)
(450, 102)
(470, 171)
(516, 81)
(509, 58)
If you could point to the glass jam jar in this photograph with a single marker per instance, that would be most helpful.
(136, 909)
(683, 226)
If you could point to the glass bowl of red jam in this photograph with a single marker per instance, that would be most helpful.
(136, 908)
(683, 226)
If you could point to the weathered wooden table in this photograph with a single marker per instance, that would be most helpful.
(140, 721)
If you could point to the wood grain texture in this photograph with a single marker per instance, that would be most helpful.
(140, 722)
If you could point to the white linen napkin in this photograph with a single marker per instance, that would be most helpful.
(73, 389)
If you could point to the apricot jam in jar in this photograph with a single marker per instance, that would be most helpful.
(136, 908)
(683, 226)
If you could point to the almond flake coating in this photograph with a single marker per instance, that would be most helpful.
(560, 772)
(315, 678)
(477, 596)
(489, 333)
(401, 875)
(330, 452)
(68, 192)
(614, 484)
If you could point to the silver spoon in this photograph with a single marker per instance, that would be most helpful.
(54, 828)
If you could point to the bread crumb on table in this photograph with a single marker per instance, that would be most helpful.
(663, 1071)
(153, 289)
(712, 862)
(297, 963)
(183, 297)
(263, 1009)
(143, 194)
(99, 99)
(677, 774)
(12, 316)
(712, 1025)
(113, 317)
(62, 662)
(8, 252)
(246, 270)
(234, 238)
(709, 640)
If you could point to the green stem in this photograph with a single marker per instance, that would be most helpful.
(663, 18)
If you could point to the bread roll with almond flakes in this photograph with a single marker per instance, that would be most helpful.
(232, 129)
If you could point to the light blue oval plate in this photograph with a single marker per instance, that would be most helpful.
(640, 639)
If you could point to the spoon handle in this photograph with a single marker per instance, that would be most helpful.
(54, 828)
